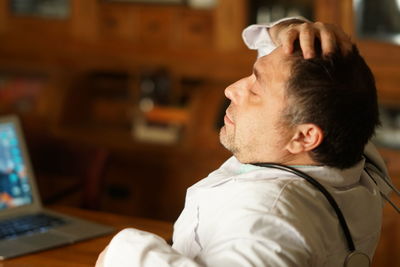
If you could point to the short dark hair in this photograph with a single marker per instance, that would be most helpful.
(337, 93)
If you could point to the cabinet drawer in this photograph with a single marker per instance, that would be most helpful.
(119, 22)
(156, 26)
(195, 28)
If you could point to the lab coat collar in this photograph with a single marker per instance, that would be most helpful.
(233, 170)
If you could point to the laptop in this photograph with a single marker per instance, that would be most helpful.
(25, 226)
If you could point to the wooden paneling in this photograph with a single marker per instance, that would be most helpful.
(386, 253)
(383, 58)
(84, 19)
(231, 19)
(328, 11)
(3, 16)
(132, 36)
(347, 16)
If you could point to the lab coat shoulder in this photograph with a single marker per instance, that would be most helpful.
(258, 222)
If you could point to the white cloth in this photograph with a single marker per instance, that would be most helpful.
(242, 215)
(256, 36)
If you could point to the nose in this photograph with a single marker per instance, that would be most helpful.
(237, 90)
(229, 91)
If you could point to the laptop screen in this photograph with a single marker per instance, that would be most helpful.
(14, 183)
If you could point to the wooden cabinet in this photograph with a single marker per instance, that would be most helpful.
(187, 41)
(131, 38)
(171, 27)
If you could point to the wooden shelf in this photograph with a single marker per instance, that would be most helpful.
(167, 115)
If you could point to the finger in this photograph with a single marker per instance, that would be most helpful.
(307, 37)
(328, 39)
(288, 39)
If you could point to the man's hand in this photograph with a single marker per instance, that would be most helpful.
(287, 32)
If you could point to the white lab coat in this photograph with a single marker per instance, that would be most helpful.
(242, 215)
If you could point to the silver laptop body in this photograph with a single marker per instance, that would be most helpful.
(23, 199)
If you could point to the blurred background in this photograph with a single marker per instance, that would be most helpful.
(121, 101)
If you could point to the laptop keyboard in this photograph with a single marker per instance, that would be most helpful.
(28, 224)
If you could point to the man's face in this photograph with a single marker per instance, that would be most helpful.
(254, 130)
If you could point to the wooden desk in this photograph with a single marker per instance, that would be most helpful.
(85, 253)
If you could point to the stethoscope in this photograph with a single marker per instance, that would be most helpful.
(355, 258)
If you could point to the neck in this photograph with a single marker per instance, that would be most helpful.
(289, 159)
(300, 159)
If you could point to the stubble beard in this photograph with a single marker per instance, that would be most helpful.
(227, 140)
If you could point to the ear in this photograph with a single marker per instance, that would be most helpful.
(305, 138)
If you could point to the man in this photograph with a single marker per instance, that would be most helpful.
(297, 108)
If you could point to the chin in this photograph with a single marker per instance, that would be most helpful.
(226, 141)
(223, 139)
